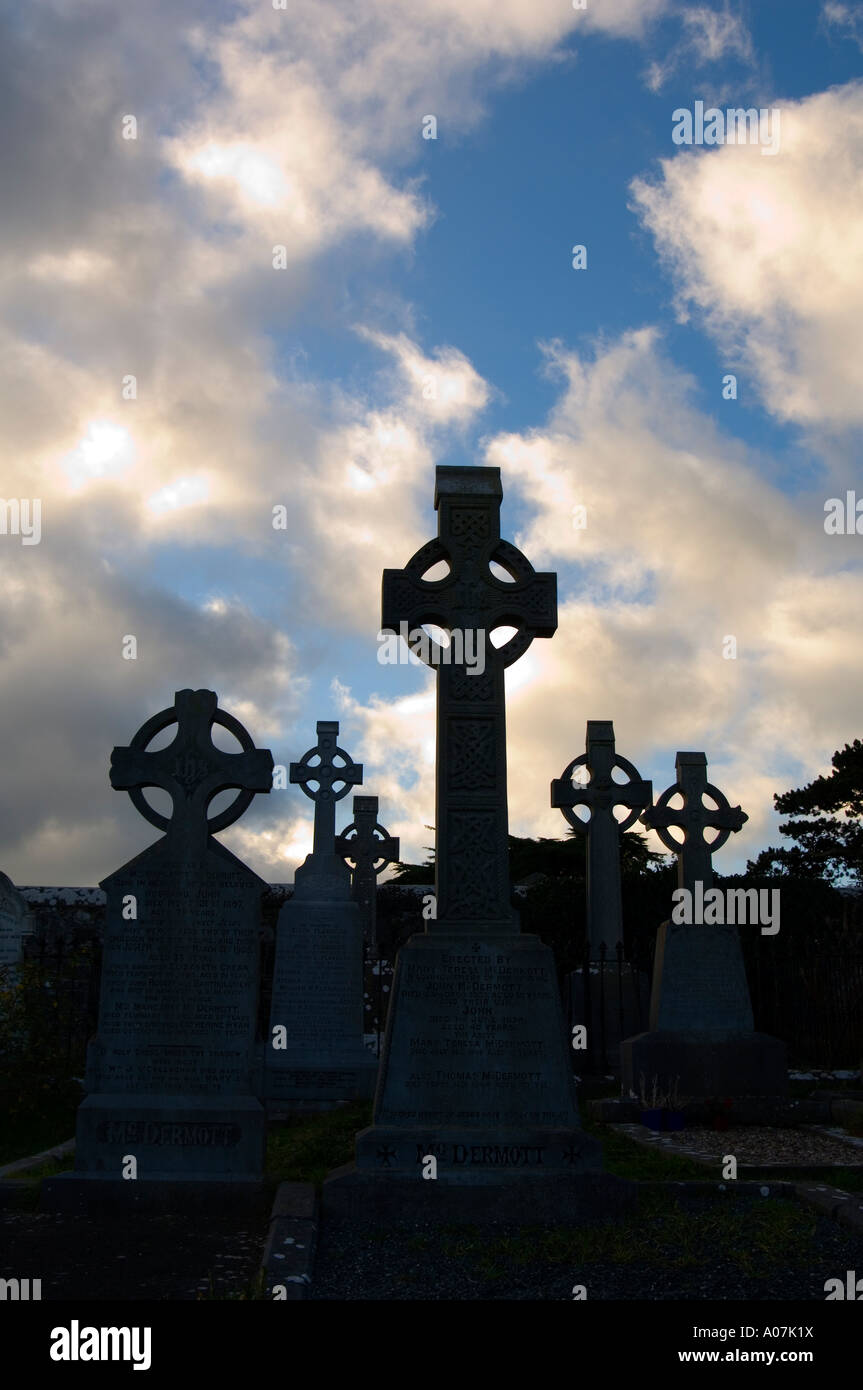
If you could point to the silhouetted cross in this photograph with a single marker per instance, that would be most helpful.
(328, 773)
(471, 862)
(601, 794)
(370, 848)
(192, 770)
(694, 856)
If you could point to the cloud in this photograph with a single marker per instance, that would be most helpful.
(686, 544)
(767, 254)
(846, 19)
(708, 37)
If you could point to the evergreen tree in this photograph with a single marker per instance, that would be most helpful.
(827, 823)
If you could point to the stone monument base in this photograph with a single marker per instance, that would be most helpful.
(552, 1197)
(475, 1072)
(295, 1085)
(476, 1156)
(199, 1138)
(96, 1192)
(703, 1064)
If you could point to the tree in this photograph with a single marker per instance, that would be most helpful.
(827, 823)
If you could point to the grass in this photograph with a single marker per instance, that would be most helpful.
(623, 1158)
(26, 1134)
(308, 1147)
(756, 1239)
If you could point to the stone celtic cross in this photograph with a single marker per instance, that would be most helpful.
(191, 769)
(695, 854)
(601, 794)
(320, 772)
(471, 860)
(369, 847)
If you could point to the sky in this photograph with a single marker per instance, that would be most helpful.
(256, 257)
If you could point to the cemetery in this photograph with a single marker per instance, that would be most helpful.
(515, 1072)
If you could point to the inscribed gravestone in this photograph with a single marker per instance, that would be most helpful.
(315, 1055)
(701, 1028)
(475, 1068)
(368, 847)
(170, 1074)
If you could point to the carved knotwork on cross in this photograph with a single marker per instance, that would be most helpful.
(368, 847)
(472, 870)
(326, 773)
(695, 854)
(191, 769)
(600, 795)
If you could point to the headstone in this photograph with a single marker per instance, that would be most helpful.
(475, 1069)
(600, 795)
(701, 1034)
(170, 1085)
(15, 924)
(368, 848)
(315, 1056)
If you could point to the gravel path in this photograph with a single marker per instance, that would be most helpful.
(772, 1249)
(760, 1144)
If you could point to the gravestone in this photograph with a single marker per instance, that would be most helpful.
(15, 924)
(368, 848)
(701, 1033)
(607, 997)
(315, 1056)
(475, 1070)
(600, 795)
(170, 1081)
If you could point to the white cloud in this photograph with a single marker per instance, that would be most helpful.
(686, 544)
(846, 19)
(769, 252)
(708, 37)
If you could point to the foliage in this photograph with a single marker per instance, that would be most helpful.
(42, 1045)
(826, 820)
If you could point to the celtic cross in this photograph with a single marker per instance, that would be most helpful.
(366, 845)
(471, 860)
(600, 795)
(695, 854)
(320, 772)
(191, 769)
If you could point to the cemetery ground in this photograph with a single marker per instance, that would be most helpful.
(684, 1239)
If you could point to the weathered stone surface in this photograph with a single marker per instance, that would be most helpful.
(475, 1070)
(701, 1037)
(170, 1073)
(319, 1059)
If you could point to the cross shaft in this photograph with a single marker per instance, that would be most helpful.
(471, 861)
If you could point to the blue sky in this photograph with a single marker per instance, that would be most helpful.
(411, 261)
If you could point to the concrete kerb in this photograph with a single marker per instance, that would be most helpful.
(22, 1165)
(290, 1247)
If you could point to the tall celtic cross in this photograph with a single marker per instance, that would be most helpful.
(471, 601)
(695, 854)
(326, 773)
(600, 795)
(369, 847)
(191, 769)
